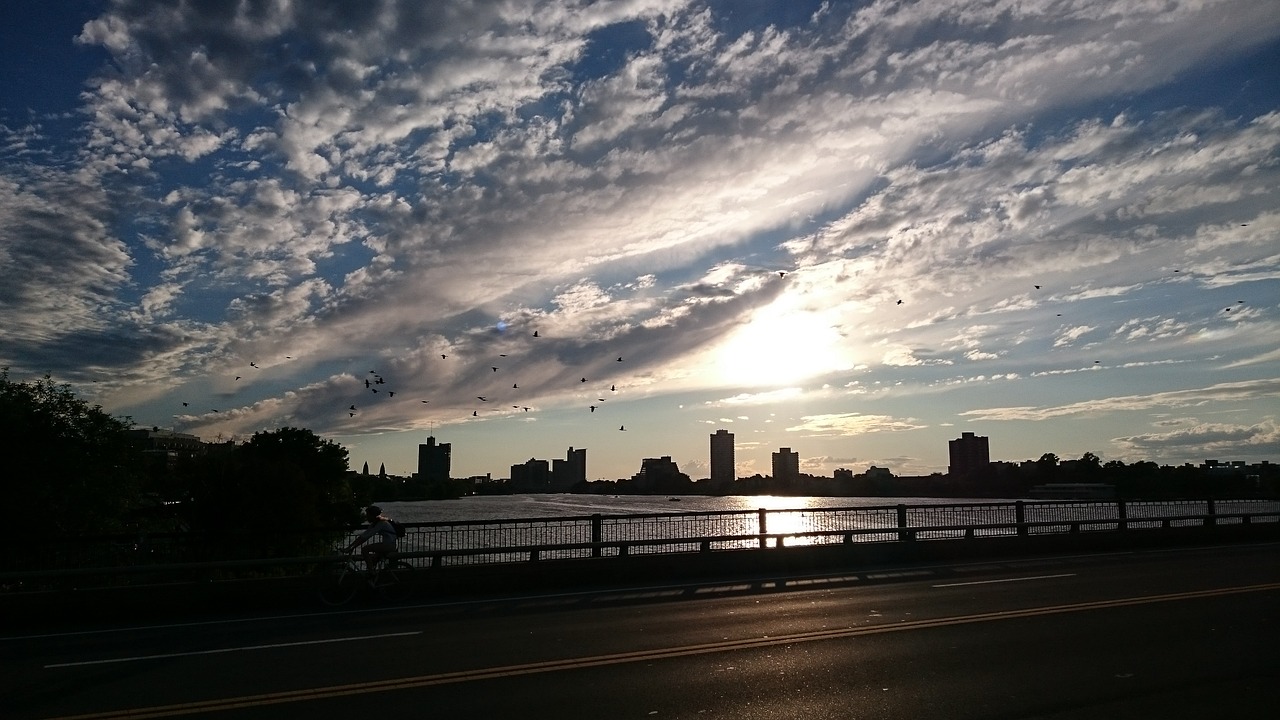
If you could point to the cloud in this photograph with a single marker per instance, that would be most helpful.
(60, 265)
(1250, 390)
(847, 424)
(1070, 335)
(1207, 440)
(379, 184)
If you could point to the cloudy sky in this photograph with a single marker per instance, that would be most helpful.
(852, 229)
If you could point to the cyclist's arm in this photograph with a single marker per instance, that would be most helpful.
(368, 533)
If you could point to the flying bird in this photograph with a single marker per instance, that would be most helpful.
(481, 398)
(622, 427)
(614, 388)
(494, 369)
(426, 401)
(391, 393)
(535, 333)
(475, 413)
(899, 302)
(619, 359)
(443, 357)
(184, 404)
(583, 380)
(515, 386)
(253, 364)
(593, 408)
(351, 414)
(353, 407)
(1037, 287)
(782, 273)
(237, 377)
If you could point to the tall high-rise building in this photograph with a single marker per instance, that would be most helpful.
(970, 454)
(786, 464)
(570, 471)
(723, 469)
(433, 461)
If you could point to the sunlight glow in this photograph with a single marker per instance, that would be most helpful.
(778, 348)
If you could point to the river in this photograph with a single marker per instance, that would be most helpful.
(512, 507)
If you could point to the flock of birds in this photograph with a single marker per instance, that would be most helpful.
(375, 382)
(371, 384)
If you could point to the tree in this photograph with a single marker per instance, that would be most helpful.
(288, 479)
(1090, 464)
(1047, 464)
(89, 474)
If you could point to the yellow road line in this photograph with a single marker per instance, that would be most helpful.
(636, 656)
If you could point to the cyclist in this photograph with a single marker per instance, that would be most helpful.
(379, 525)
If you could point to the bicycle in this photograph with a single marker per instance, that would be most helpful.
(342, 582)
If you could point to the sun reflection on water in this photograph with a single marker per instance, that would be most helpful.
(784, 515)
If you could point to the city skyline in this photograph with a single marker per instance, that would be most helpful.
(972, 449)
(854, 231)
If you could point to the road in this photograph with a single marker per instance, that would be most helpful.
(1178, 633)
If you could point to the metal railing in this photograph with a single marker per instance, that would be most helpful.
(477, 542)
(483, 542)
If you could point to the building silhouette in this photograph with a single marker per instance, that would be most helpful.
(532, 475)
(660, 474)
(970, 455)
(786, 465)
(723, 469)
(433, 461)
(570, 471)
(162, 450)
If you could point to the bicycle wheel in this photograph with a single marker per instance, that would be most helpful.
(339, 584)
(393, 582)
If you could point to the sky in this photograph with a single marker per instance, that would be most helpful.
(855, 230)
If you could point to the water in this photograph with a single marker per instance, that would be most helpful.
(507, 528)
(512, 507)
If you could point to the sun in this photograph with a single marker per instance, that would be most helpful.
(777, 348)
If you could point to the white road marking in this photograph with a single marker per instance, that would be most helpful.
(227, 650)
(1005, 580)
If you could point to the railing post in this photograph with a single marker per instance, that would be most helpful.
(1211, 520)
(763, 525)
(903, 533)
(596, 534)
(1122, 514)
(1020, 516)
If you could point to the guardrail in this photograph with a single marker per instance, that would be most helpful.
(484, 542)
(489, 542)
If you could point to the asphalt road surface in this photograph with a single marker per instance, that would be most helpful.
(1186, 633)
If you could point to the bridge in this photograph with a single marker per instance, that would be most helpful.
(471, 558)
(1158, 631)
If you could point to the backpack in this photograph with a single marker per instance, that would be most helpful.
(399, 527)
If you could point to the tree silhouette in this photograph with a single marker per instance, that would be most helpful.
(287, 479)
(89, 478)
